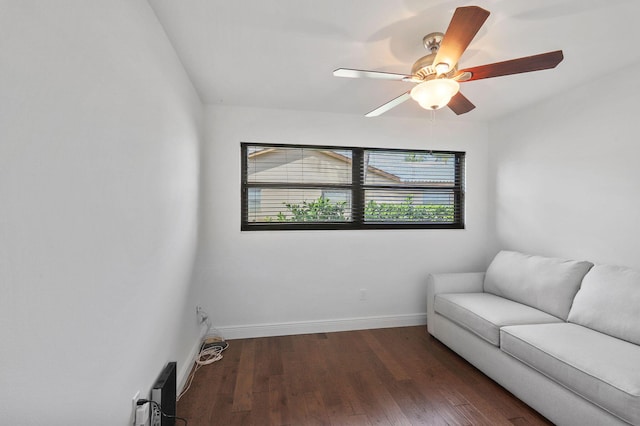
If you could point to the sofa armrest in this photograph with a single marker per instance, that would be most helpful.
(467, 282)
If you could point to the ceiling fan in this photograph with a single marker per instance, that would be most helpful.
(436, 75)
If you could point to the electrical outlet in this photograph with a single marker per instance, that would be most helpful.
(201, 314)
(134, 404)
(135, 399)
(363, 294)
(140, 412)
(142, 415)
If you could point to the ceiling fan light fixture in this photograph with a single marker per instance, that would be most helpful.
(436, 93)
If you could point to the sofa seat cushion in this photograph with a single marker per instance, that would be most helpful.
(484, 313)
(600, 368)
(544, 283)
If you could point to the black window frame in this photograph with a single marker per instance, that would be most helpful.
(357, 188)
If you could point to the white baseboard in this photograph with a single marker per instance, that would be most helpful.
(321, 326)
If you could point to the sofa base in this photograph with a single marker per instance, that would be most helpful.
(555, 402)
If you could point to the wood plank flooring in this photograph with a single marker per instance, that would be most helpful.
(393, 376)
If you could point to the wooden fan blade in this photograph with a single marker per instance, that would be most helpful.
(464, 25)
(539, 62)
(460, 104)
(391, 104)
(351, 73)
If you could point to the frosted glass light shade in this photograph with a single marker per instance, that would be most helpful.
(436, 93)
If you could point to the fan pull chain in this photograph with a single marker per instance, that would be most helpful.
(432, 122)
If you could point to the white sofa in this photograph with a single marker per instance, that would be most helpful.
(561, 335)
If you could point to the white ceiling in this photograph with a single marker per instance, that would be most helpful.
(281, 53)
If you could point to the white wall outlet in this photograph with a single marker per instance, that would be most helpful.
(201, 314)
(134, 403)
(363, 294)
(141, 415)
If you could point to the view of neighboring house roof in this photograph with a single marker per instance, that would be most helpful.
(415, 169)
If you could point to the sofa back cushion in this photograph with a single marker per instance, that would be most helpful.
(609, 302)
(545, 283)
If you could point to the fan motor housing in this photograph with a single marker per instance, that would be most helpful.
(424, 67)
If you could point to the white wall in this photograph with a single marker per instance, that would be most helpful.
(99, 159)
(259, 283)
(565, 174)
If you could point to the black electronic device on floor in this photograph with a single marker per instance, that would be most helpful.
(164, 394)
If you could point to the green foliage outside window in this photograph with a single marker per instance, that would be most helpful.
(322, 210)
(407, 212)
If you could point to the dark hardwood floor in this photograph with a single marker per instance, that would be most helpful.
(393, 376)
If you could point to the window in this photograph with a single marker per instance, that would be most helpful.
(328, 187)
(255, 195)
(336, 195)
